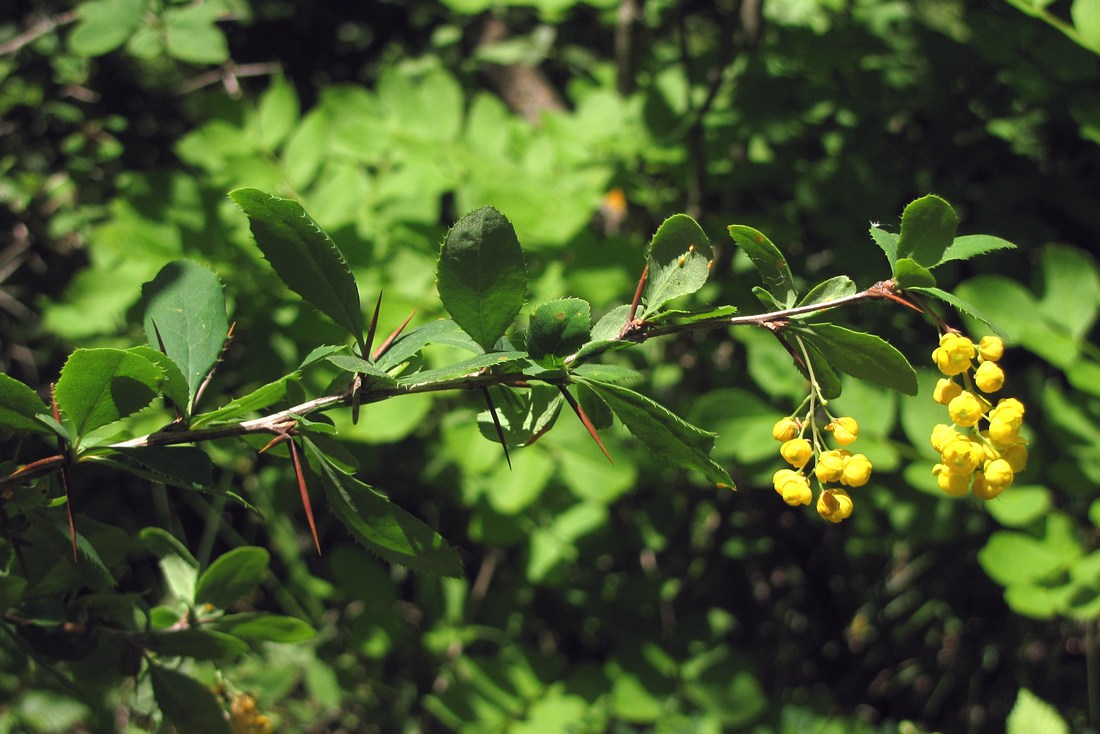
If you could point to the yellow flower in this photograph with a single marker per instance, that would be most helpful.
(857, 471)
(1016, 456)
(797, 452)
(1003, 432)
(989, 377)
(953, 484)
(963, 455)
(998, 474)
(954, 354)
(946, 391)
(983, 490)
(942, 435)
(965, 410)
(834, 505)
(793, 487)
(845, 430)
(830, 465)
(785, 429)
(991, 348)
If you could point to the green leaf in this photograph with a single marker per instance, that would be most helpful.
(613, 373)
(233, 575)
(175, 386)
(105, 25)
(828, 381)
(258, 399)
(523, 415)
(927, 230)
(1032, 714)
(20, 406)
(862, 355)
(185, 702)
(961, 304)
(1021, 506)
(374, 377)
(306, 259)
(100, 386)
(1010, 557)
(888, 241)
(461, 369)
(267, 627)
(380, 525)
(664, 432)
(411, 342)
(679, 258)
(185, 305)
(559, 328)
(193, 36)
(1086, 19)
(481, 275)
(769, 262)
(198, 644)
(972, 245)
(909, 274)
(11, 591)
(829, 290)
(181, 466)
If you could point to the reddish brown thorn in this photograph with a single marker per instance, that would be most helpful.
(496, 424)
(275, 442)
(385, 346)
(585, 420)
(305, 494)
(638, 295)
(373, 326)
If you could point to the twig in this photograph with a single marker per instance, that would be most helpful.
(36, 31)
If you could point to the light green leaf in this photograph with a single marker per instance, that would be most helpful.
(559, 328)
(862, 355)
(100, 386)
(972, 245)
(175, 386)
(523, 415)
(268, 627)
(1071, 289)
(304, 257)
(380, 525)
(927, 230)
(185, 702)
(1032, 714)
(105, 25)
(613, 373)
(664, 432)
(1021, 506)
(193, 36)
(1010, 557)
(231, 576)
(374, 377)
(910, 274)
(829, 290)
(481, 275)
(769, 262)
(1086, 19)
(443, 331)
(185, 305)
(258, 399)
(888, 241)
(19, 406)
(278, 113)
(462, 369)
(679, 261)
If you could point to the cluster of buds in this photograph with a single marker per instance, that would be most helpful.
(974, 458)
(829, 466)
(244, 717)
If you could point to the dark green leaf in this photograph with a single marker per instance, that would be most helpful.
(319, 353)
(481, 275)
(909, 274)
(11, 590)
(233, 575)
(188, 704)
(769, 262)
(767, 300)
(380, 525)
(198, 644)
(961, 304)
(461, 369)
(304, 256)
(888, 241)
(828, 381)
(927, 230)
(411, 342)
(258, 399)
(523, 415)
(100, 386)
(20, 406)
(679, 261)
(594, 407)
(662, 431)
(187, 466)
(373, 377)
(175, 386)
(185, 305)
(266, 627)
(972, 245)
(829, 290)
(559, 328)
(613, 373)
(862, 355)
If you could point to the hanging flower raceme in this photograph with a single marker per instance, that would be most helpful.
(981, 451)
(834, 466)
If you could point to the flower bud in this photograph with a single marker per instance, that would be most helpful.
(845, 430)
(946, 391)
(965, 410)
(834, 505)
(962, 456)
(955, 485)
(857, 471)
(991, 348)
(830, 465)
(797, 452)
(989, 377)
(1016, 456)
(785, 429)
(998, 474)
(983, 490)
(942, 435)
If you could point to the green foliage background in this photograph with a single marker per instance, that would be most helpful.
(595, 597)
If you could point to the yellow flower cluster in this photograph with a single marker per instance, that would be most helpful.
(836, 465)
(973, 458)
(244, 718)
